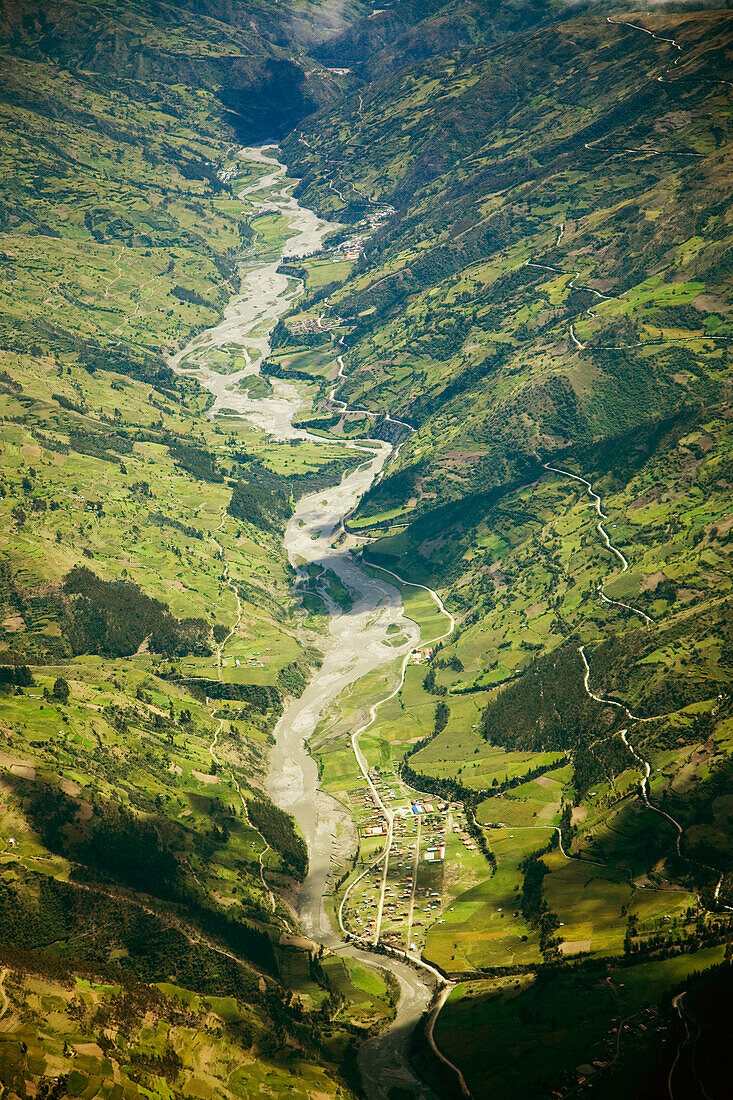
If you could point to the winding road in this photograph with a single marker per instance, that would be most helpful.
(644, 784)
(677, 1006)
(605, 700)
(606, 540)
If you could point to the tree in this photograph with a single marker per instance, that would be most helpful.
(61, 690)
(442, 713)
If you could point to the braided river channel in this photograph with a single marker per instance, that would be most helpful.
(359, 640)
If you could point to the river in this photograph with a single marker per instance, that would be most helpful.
(359, 642)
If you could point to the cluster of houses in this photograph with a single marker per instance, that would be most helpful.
(310, 326)
(384, 784)
(352, 248)
(467, 839)
(364, 801)
(380, 215)
(226, 175)
(399, 888)
(435, 852)
(422, 808)
(249, 662)
(401, 884)
(420, 656)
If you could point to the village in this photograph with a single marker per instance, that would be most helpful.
(395, 906)
(353, 247)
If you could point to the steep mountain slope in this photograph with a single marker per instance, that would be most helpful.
(524, 199)
(399, 35)
(250, 55)
(547, 302)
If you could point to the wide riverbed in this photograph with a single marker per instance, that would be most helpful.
(359, 639)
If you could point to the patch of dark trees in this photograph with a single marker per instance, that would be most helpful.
(8, 384)
(196, 461)
(106, 444)
(293, 271)
(278, 829)
(159, 520)
(147, 368)
(547, 709)
(292, 679)
(391, 491)
(535, 909)
(141, 853)
(15, 676)
(702, 815)
(67, 403)
(184, 294)
(276, 370)
(267, 509)
(260, 697)
(620, 455)
(114, 618)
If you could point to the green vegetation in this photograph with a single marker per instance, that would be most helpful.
(262, 508)
(552, 285)
(449, 326)
(148, 634)
(533, 271)
(582, 1017)
(277, 829)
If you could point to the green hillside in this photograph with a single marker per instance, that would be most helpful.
(251, 56)
(529, 294)
(490, 156)
(402, 33)
(149, 639)
(553, 286)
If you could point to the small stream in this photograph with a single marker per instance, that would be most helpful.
(358, 639)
